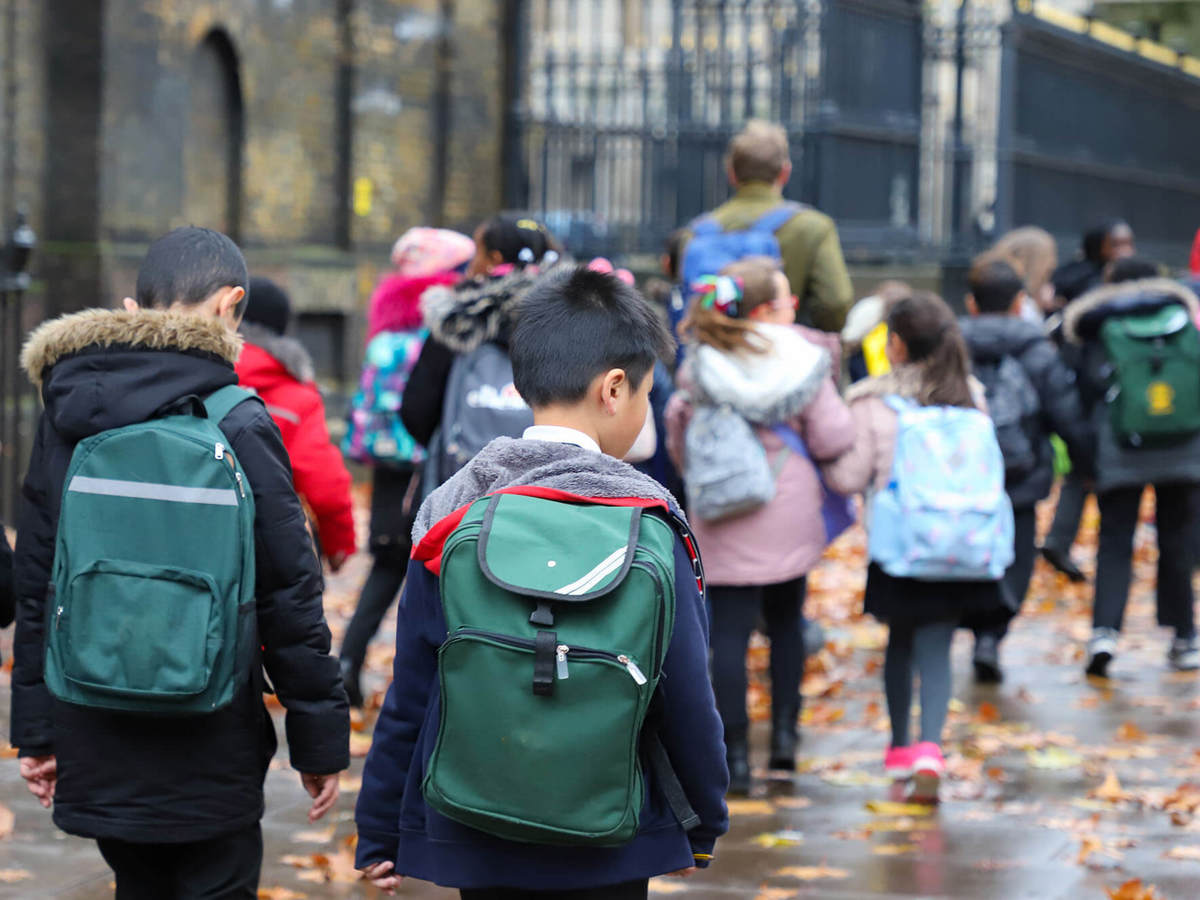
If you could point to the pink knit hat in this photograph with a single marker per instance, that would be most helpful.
(428, 251)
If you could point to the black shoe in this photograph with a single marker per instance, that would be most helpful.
(987, 660)
(1063, 562)
(737, 755)
(350, 678)
(784, 740)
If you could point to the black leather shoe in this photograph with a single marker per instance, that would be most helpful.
(1064, 563)
(737, 755)
(784, 740)
(987, 660)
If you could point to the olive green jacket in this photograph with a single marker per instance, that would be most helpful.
(812, 254)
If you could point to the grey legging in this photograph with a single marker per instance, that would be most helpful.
(925, 648)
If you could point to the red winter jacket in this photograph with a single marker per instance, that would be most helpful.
(280, 370)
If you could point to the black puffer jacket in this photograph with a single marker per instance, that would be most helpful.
(1119, 465)
(990, 339)
(147, 779)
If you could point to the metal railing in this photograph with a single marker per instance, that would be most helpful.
(18, 400)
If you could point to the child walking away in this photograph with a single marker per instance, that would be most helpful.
(162, 545)
(551, 729)
(1139, 352)
(424, 258)
(460, 394)
(757, 406)
(280, 371)
(940, 526)
(1031, 394)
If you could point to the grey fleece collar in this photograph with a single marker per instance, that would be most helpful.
(289, 351)
(508, 462)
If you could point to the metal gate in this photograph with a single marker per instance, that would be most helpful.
(622, 111)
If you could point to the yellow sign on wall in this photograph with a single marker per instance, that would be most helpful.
(364, 189)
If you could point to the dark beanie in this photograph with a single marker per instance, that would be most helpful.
(268, 305)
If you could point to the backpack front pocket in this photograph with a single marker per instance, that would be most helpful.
(135, 629)
(495, 729)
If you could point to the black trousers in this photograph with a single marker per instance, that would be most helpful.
(630, 890)
(1020, 573)
(223, 868)
(1176, 508)
(1067, 515)
(735, 612)
(381, 588)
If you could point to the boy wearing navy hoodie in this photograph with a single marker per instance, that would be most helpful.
(583, 353)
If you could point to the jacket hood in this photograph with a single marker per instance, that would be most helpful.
(477, 311)
(396, 303)
(1082, 319)
(288, 352)
(990, 338)
(102, 369)
(508, 462)
(904, 381)
(764, 388)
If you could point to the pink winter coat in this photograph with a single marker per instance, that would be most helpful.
(785, 538)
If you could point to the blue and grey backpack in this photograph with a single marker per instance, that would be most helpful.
(712, 248)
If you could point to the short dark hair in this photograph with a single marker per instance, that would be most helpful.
(1132, 268)
(520, 240)
(576, 324)
(187, 265)
(995, 284)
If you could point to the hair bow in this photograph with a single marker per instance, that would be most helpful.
(719, 292)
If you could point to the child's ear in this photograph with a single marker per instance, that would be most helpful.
(972, 306)
(229, 300)
(614, 385)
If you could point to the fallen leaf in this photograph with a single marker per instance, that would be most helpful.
(988, 712)
(891, 808)
(1111, 790)
(667, 886)
(894, 849)
(12, 876)
(792, 802)
(812, 873)
(1189, 852)
(316, 836)
(1133, 890)
(360, 744)
(8, 751)
(7, 820)
(772, 839)
(855, 779)
(770, 893)
(1087, 846)
(1054, 758)
(350, 784)
(750, 807)
(280, 893)
(1129, 732)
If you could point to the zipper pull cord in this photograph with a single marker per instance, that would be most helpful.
(632, 668)
(219, 451)
(561, 662)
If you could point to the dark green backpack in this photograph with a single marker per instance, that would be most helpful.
(151, 608)
(559, 616)
(1154, 388)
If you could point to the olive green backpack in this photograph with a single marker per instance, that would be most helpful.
(151, 607)
(559, 616)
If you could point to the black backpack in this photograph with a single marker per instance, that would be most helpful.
(1013, 405)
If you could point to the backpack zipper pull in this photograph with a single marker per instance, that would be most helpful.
(632, 668)
(241, 488)
(563, 673)
(219, 451)
(57, 616)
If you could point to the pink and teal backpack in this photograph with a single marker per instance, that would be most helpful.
(374, 433)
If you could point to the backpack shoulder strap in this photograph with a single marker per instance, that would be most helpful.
(898, 404)
(220, 403)
(778, 217)
(706, 225)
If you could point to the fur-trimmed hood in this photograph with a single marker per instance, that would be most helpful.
(507, 462)
(904, 381)
(147, 329)
(1082, 318)
(103, 369)
(288, 352)
(477, 311)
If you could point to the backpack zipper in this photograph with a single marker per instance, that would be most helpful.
(562, 651)
(219, 451)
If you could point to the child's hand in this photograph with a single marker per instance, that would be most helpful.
(324, 791)
(381, 875)
(41, 773)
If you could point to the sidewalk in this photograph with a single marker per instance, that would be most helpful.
(1061, 788)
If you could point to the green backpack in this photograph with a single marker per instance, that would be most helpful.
(151, 608)
(1154, 389)
(559, 615)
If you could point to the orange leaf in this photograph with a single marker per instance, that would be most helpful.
(280, 893)
(811, 873)
(1130, 732)
(1111, 791)
(1133, 890)
(988, 712)
(7, 820)
(12, 876)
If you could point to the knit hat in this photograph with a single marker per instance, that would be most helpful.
(268, 305)
(428, 251)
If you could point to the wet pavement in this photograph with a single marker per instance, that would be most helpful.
(1061, 787)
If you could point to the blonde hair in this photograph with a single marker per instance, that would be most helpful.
(759, 152)
(705, 325)
(1032, 252)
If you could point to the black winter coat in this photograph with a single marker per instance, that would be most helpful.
(989, 339)
(153, 779)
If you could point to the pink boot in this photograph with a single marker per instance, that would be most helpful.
(928, 767)
(898, 763)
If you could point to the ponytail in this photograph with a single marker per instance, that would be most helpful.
(721, 306)
(935, 344)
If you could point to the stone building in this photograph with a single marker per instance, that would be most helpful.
(313, 131)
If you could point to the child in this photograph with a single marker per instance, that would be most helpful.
(583, 350)
(178, 797)
(424, 258)
(930, 368)
(280, 370)
(1031, 394)
(779, 377)
(1161, 392)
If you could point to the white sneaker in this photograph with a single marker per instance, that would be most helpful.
(1184, 654)
(1101, 650)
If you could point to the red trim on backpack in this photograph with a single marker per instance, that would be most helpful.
(429, 550)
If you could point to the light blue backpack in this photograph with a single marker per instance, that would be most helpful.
(944, 515)
(712, 248)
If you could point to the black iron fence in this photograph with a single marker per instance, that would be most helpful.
(18, 400)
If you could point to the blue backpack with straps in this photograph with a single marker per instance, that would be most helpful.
(712, 248)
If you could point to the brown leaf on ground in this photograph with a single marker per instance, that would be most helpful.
(1129, 732)
(7, 821)
(894, 849)
(360, 744)
(12, 876)
(1133, 890)
(750, 807)
(1089, 845)
(1188, 852)
(667, 886)
(315, 836)
(8, 751)
(1111, 790)
(1184, 800)
(280, 893)
(811, 873)
(771, 893)
(350, 784)
(988, 713)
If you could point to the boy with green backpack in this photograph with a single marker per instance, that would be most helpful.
(162, 563)
(551, 730)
